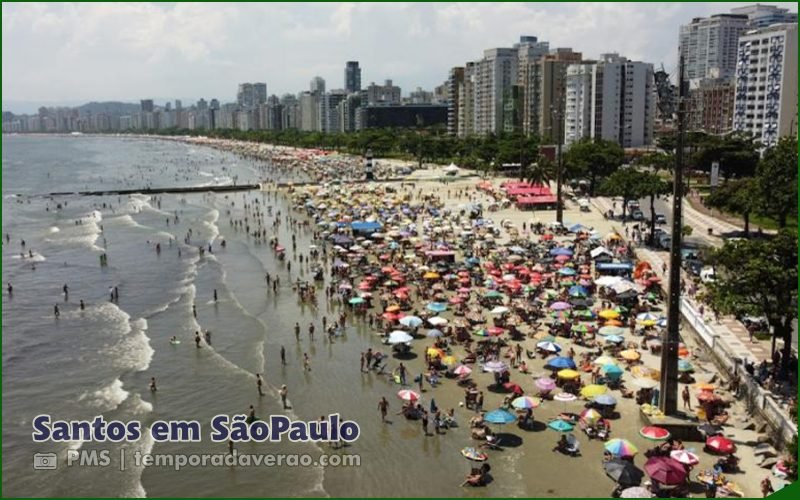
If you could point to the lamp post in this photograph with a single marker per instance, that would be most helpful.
(558, 112)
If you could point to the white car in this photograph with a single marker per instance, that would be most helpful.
(707, 275)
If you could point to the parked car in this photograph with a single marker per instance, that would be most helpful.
(693, 266)
(633, 204)
(707, 275)
(637, 214)
(664, 241)
(661, 219)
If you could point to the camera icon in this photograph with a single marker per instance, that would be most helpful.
(45, 461)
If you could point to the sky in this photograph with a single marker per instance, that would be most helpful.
(59, 53)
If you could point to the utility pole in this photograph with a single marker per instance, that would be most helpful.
(668, 400)
(559, 167)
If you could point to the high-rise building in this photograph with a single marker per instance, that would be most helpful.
(250, 95)
(612, 99)
(710, 106)
(334, 98)
(766, 83)
(260, 93)
(552, 80)
(146, 105)
(317, 85)
(455, 88)
(708, 45)
(352, 77)
(761, 16)
(376, 95)
(529, 53)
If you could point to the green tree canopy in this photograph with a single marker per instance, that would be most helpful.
(759, 277)
(777, 180)
(595, 160)
(626, 183)
(738, 196)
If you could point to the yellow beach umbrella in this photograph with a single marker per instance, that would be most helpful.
(605, 360)
(630, 354)
(568, 374)
(430, 275)
(593, 390)
(645, 372)
(449, 360)
(609, 314)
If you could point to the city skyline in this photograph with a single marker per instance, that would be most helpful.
(188, 51)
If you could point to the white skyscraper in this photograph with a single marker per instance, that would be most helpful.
(708, 45)
(766, 83)
(612, 99)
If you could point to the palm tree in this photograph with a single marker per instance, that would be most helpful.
(539, 172)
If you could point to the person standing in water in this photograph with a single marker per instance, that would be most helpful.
(153, 387)
(284, 392)
(56, 311)
(259, 382)
(197, 339)
(383, 407)
(83, 306)
(306, 362)
(65, 288)
(283, 356)
(215, 295)
(194, 311)
(297, 330)
(10, 289)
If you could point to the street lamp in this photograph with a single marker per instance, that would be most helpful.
(558, 112)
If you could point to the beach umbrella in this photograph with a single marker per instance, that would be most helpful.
(399, 337)
(720, 445)
(707, 397)
(645, 372)
(499, 310)
(608, 314)
(590, 416)
(411, 321)
(567, 271)
(437, 321)
(623, 472)
(612, 370)
(356, 300)
(436, 307)
(611, 330)
(578, 291)
(705, 387)
(685, 366)
(684, 457)
(605, 400)
(393, 308)
(592, 390)
(645, 383)
(449, 360)
(462, 370)
(495, 366)
(434, 351)
(613, 322)
(665, 470)
(434, 333)
(621, 448)
(630, 354)
(654, 433)
(561, 251)
(495, 331)
(649, 317)
(548, 346)
(525, 402)
(500, 416)
(614, 339)
(561, 362)
(471, 453)
(408, 395)
(568, 374)
(560, 306)
(560, 425)
(513, 387)
(545, 384)
(431, 275)
(565, 397)
(481, 332)
(636, 492)
(605, 360)
(580, 328)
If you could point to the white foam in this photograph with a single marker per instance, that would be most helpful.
(139, 406)
(53, 229)
(108, 398)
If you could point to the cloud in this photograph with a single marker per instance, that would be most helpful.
(93, 51)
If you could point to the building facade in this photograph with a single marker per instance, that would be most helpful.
(612, 99)
(765, 103)
(708, 45)
(352, 77)
(711, 106)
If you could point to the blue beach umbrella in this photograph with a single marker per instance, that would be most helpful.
(561, 363)
(436, 307)
(500, 416)
(560, 425)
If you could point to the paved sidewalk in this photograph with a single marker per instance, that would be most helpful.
(728, 328)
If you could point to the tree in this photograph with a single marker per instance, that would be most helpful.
(593, 159)
(653, 186)
(627, 183)
(737, 154)
(738, 197)
(759, 277)
(657, 161)
(777, 181)
(540, 172)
